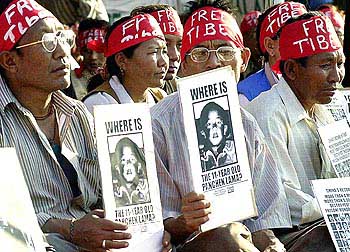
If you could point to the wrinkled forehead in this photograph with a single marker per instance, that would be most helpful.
(215, 44)
(45, 25)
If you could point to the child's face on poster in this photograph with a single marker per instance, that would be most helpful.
(129, 164)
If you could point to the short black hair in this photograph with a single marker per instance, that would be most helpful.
(224, 5)
(209, 107)
(90, 23)
(261, 19)
(4, 4)
(301, 61)
(112, 67)
(149, 9)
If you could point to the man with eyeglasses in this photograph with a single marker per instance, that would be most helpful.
(212, 39)
(52, 134)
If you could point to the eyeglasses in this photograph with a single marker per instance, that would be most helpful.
(50, 40)
(223, 53)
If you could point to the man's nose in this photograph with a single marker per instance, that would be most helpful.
(213, 61)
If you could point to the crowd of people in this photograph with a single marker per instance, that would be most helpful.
(287, 62)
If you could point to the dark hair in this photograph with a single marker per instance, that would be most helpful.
(112, 67)
(192, 6)
(140, 157)
(261, 19)
(212, 106)
(4, 4)
(301, 61)
(148, 9)
(89, 23)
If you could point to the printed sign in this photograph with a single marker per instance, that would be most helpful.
(336, 139)
(19, 228)
(333, 196)
(339, 106)
(215, 135)
(128, 171)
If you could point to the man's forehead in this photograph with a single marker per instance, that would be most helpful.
(173, 38)
(214, 44)
(42, 26)
(328, 56)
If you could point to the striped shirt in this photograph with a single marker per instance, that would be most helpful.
(49, 188)
(173, 164)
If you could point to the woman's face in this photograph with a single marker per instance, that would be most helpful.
(148, 65)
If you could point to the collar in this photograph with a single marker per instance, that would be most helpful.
(270, 75)
(119, 90)
(63, 103)
(295, 109)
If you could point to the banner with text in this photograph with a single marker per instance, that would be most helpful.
(339, 106)
(333, 196)
(128, 171)
(216, 143)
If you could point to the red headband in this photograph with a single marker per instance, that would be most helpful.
(276, 18)
(210, 23)
(18, 17)
(136, 30)
(92, 39)
(308, 37)
(335, 17)
(169, 21)
(250, 21)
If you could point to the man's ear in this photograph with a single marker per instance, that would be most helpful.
(8, 61)
(120, 60)
(245, 58)
(269, 45)
(291, 69)
(225, 129)
(203, 134)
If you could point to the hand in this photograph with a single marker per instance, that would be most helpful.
(166, 242)
(276, 246)
(92, 229)
(195, 210)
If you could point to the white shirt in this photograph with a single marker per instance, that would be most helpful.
(295, 146)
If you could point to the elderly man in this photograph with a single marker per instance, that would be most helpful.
(268, 25)
(289, 115)
(52, 134)
(184, 210)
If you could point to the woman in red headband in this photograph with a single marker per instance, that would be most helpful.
(137, 63)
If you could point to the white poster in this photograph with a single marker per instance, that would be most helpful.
(218, 153)
(333, 196)
(339, 106)
(19, 228)
(336, 139)
(128, 171)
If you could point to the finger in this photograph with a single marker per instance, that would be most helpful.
(98, 212)
(195, 223)
(112, 225)
(116, 236)
(116, 244)
(202, 204)
(197, 213)
(193, 196)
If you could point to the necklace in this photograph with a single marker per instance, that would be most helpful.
(49, 113)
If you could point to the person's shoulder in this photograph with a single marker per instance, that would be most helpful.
(166, 107)
(266, 104)
(252, 78)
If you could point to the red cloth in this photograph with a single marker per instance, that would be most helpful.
(169, 21)
(276, 18)
(337, 20)
(136, 30)
(209, 23)
(18, 17)
(92, 39)
(308, 37)
(250, 21)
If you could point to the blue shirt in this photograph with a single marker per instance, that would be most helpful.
(255, 84)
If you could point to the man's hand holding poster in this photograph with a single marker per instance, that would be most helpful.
(215, 136)
(128, 171)
(19, 229)
(333, 196)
